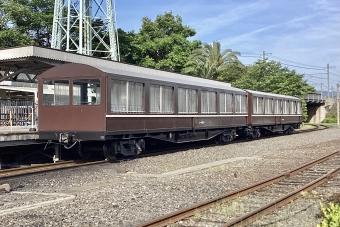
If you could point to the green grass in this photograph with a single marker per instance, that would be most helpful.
(331, 212)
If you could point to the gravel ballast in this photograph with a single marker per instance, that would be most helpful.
(157, 185)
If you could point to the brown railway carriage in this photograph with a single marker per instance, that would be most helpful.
(273, 112)
(82, 105)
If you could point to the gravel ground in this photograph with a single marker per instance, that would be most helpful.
(154, 186)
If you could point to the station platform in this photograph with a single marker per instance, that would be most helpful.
(18, 135)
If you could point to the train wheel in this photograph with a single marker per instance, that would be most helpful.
(217, 140)
(289, 130)
(110, 150)
(84, 152)
(226, 138)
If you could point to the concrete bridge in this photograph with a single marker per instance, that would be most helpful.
(317, 107)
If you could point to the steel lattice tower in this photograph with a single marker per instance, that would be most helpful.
(85, 27)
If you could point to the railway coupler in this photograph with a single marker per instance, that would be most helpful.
(65, 138)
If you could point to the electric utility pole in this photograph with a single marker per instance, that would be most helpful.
(328, 79)
(337, 103)
(264, 54)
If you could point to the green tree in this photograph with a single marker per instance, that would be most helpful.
(10, 36)
(126, 50)
(232, 72)
(163, 44)
(13, 37)
(304, 110)
(3, 19)
(270, 76)
(210, 62)
(26, 22)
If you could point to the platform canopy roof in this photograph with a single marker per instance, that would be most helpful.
(25, 63)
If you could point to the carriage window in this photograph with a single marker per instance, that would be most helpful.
(298, 107)
(208, 102)
(187, 101)
(56, 93)
(127, 97)
(268, 106)
(161, 99)
(278, 104)
(86, 92)
(292, 109)
(286, 107)
(241, 104)
(226, 103)
(257, 105)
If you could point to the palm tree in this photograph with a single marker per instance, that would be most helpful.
(208, 61)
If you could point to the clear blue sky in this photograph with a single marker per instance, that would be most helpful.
(302, 33)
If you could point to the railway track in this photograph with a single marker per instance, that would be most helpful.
(22, 171)
(243, 207)
(29, 170)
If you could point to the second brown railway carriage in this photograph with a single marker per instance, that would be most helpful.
(272, 112)
(80, 105)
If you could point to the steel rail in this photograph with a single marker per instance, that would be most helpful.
(24, 171)
(33, 167)
(192, 210)
(284, 200)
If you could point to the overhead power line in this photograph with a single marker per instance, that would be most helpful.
(335, 70)
(302, 67)
(254, 56)
(295, 64)
(334, 74)
(307, 66)
(312, 74)
(298, 62)
(250, 53)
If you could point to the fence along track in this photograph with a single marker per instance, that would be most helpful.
(16, 112)
(254, 215)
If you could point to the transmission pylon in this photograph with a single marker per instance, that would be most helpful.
(85, 27)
